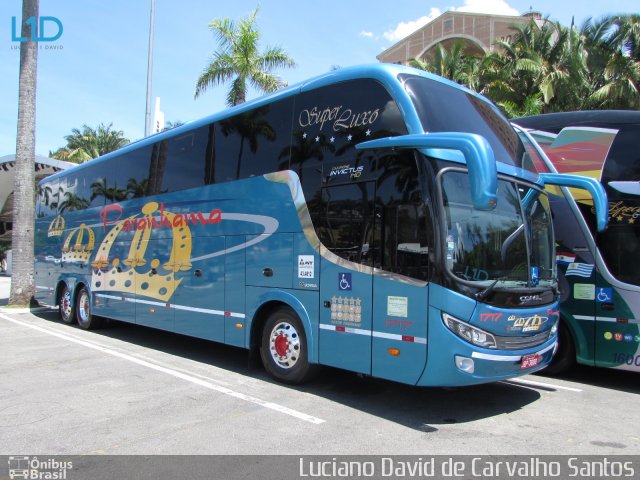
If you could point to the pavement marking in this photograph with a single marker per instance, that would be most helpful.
(174, 373)
(25, 310)
(541, 384)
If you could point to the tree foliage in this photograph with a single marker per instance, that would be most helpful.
(239, 61)
(551, 67)
(88, 143)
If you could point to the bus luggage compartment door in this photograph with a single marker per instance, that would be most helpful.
(199, 296)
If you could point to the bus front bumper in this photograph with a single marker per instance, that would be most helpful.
(468, 365)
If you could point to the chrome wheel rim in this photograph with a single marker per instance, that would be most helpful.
(84, 307)
(65, 305)
(284, 345)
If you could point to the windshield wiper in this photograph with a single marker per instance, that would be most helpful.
(482, 294)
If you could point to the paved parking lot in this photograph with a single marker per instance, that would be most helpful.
(133, 390)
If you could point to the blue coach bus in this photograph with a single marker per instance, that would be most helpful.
(377, 219)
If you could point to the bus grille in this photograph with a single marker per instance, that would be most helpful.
(519, 343)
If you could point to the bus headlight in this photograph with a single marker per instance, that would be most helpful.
(469, 333)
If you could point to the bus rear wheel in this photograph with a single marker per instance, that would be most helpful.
(65, 305)
(283, 347)
(85, 318)
(565, 357)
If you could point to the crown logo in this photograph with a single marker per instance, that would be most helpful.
(80, 250)
(56, 227)
(136, 274)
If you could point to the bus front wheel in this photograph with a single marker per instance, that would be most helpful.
(565, 357)
(283, 348)
(65, 305)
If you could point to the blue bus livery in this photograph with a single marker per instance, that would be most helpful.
(377, 219)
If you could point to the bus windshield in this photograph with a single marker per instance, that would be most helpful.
(442, 111)
(512, 244)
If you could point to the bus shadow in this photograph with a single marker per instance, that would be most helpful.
(621, 380)
(419, 408)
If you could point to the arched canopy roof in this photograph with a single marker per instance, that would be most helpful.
(44, 166)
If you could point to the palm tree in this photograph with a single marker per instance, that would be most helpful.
(552, 67)
(22, 237)
(90, 143)
(451, 64)
(532, 62)
(622, 84)
(532, 105)
(239, 61)
(615, 60)
(573, 90)
(626, 36)
(75, 155)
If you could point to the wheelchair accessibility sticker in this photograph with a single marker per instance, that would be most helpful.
(344, 282)
(604, 295)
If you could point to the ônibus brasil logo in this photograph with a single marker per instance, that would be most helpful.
(32, 468)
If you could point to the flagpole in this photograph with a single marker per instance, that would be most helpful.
(147, 119)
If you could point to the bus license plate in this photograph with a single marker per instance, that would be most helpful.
(529, 361)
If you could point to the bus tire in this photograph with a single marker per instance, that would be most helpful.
(565, 357)
(85, 318)
(283, 347)
(65, 305)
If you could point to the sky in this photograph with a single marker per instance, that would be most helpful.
(97, 72)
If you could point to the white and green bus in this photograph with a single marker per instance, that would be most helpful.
(599, 272)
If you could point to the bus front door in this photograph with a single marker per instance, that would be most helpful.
(347, 276)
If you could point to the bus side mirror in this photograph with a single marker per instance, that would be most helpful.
(593, 186)
(478, 155)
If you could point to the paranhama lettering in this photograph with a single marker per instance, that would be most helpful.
(158, 221)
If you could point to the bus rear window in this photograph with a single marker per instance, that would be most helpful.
(444, 109)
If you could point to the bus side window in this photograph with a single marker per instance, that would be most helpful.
(185, 164)
(47, 204)
(131, 174)
(71, 196)
(401, 218)
(345, 224)
(254, 142)
(95, 185)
